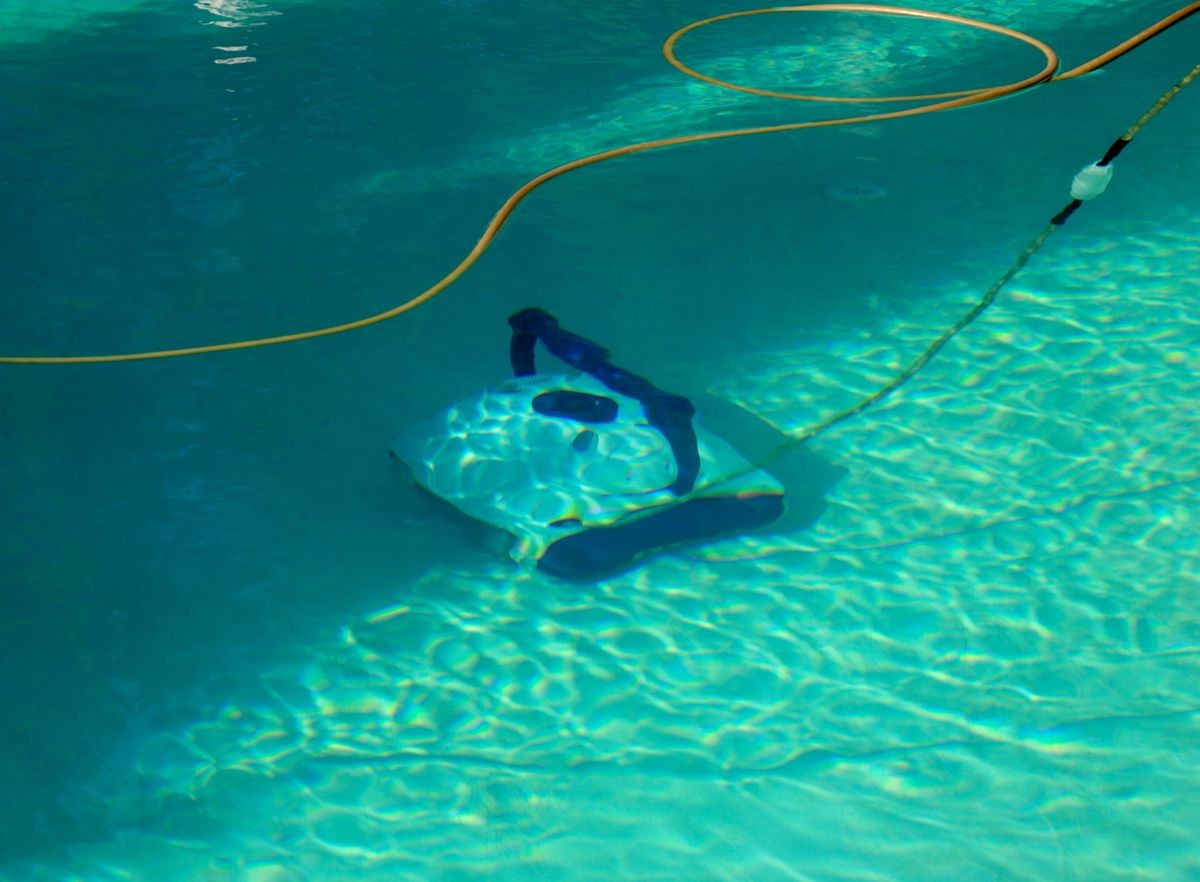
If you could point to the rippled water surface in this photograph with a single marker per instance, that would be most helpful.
(238, 646)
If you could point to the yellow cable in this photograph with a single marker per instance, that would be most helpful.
(940, 102)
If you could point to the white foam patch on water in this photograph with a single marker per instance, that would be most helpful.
(27, 21)
(982, 663)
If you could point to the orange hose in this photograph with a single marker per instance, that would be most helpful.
(941, 101)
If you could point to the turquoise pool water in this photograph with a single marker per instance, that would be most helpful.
(237, 646)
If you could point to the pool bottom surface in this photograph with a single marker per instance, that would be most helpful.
(980, 664)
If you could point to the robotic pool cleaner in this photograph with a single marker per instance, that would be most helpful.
(592, 471)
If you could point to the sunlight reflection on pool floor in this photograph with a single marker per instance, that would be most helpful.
(984, 635)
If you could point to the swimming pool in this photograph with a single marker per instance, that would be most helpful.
(239, 647)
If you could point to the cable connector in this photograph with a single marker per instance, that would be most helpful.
(1091, 181)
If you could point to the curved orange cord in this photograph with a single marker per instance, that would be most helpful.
(941, 101)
